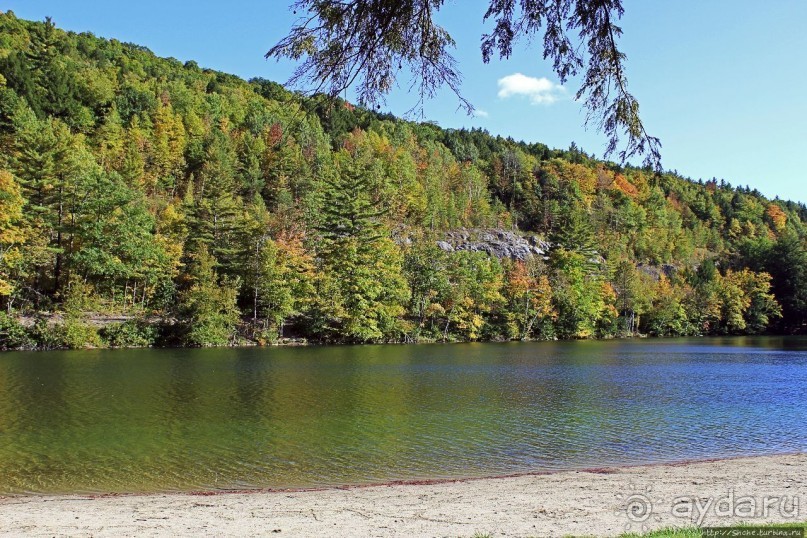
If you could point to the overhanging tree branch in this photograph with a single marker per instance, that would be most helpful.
(367, 44)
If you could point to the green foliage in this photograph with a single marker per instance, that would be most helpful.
(284, 283)
(132, 333)
(74, 331)
(138, 186)
(668, 316)
(68, 333)
(361, 291)
(582, 299)
(13, 335)
(77, 334)
(426, 270)
(45, 335)
(79, 299)
(697, 532)
(209, 305)
(476, 285)
(786, 262)
(634, 291)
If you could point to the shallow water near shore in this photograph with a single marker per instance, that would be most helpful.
(105, 421)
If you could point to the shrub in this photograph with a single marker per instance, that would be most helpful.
(132, 333)
(77, 334)
(13, 335)
(70, 334)
(47, 336)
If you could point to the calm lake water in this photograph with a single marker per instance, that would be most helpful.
(164, 420)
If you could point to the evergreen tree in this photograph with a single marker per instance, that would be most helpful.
(144, 184)
(209, 305)
(362, 290)
(786, 262)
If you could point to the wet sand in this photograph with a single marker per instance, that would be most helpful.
(577, 503)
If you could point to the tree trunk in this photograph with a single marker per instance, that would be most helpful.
(57, 272)
(448, 322)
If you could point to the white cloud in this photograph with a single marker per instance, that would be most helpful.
(478, 112)
(541, 91)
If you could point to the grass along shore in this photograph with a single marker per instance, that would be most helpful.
(695, 532)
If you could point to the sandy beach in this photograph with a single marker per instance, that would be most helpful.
(590, 503)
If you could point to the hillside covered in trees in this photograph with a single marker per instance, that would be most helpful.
(201, 209)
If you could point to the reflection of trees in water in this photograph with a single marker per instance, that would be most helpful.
(196, 419)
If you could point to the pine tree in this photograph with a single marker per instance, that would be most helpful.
(362, 289)
(209, 305)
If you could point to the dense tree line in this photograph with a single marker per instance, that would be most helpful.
(213, 211)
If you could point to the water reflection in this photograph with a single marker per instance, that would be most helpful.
(157, 420)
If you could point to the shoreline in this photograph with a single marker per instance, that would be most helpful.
(291, 343)
(613, 469)
(543, 503)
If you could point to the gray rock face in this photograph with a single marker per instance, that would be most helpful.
(655, 271)
(494, 242)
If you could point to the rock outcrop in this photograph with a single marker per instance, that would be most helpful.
(495, 242)
(655, 271)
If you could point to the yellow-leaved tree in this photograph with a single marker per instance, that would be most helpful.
(12, 233)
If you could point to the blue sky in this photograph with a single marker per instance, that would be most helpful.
(721, 82)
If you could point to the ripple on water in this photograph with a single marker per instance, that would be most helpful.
(178, 420)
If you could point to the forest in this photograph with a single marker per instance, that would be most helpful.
(144, 202)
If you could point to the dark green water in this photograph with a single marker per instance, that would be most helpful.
(158, 420)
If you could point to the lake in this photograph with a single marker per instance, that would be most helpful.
(155, 420)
